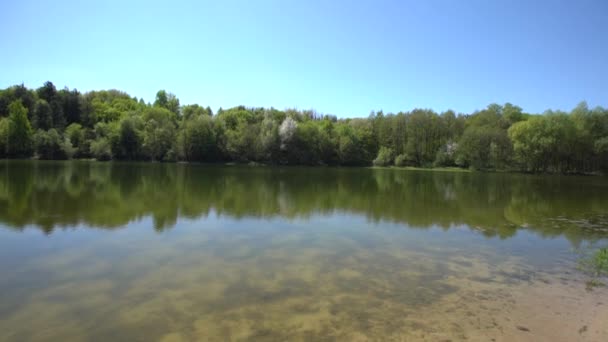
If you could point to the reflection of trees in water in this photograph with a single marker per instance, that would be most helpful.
(108, 195)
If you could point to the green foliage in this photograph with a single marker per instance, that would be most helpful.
(107, 106)
(101, 149)
(544, 143)
(4, 128)
(364, 135)
(75, 134)
(50, 145)
(327, 142)
(19, 138)
(595, 265)
(513, 113)
(17, 93)
(355, 142)
(129, 143)
(484, 147)
(446, 155)
(71, 105)
(600, 262)
(159, 132)
(56, 102)
(110, 124)
(402, 160)
(193, 111)
(239, 137)
(305, 148)
(424, 132)
(197, 139)
(385, 156)
(485, 143)
(43, 115)
(269, 142)
(600, 147)
(167, 100)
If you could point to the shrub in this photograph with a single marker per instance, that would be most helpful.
(401, 160)
(50, 145)
(385, 156)
(595, 265)
(101, 149)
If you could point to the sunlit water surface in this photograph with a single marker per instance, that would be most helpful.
(144, 252)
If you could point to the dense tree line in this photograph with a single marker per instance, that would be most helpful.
(59, 124)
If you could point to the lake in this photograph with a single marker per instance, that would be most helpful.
(173, 252)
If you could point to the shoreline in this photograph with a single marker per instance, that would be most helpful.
(259, 164)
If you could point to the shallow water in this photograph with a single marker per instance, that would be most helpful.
(143, 252)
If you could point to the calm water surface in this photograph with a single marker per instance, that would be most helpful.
(169, 252)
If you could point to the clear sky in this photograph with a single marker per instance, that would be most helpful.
(340, 57)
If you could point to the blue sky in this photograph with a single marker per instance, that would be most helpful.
(340, 57)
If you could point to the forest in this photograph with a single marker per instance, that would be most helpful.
(47, 123)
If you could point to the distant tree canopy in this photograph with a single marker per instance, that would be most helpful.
(109, 124)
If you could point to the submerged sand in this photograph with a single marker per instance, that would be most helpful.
(350, 292)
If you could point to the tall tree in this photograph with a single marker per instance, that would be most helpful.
(167, 100)
(19, 137)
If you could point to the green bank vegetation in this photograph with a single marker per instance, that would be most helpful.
(595, 265)
(48, 123)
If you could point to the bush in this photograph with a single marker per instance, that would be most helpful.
(385, 156)
(170, 156)
(50, 145)
(401, 160)
(75, 133)
(4, 129)
(445, 155)
(101, 149)
(442, 159)
(67, 148)
(595, 265)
